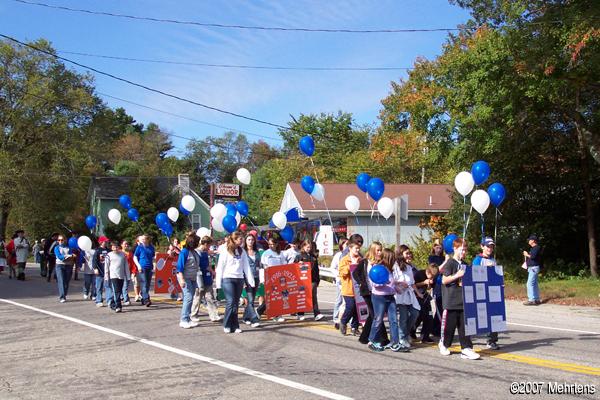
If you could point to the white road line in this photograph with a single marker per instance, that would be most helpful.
(213, 361)
(554, 329)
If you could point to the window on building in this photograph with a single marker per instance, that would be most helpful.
(196, 221)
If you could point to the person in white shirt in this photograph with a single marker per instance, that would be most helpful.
(339, 299)
(231, 269)
(22, 251)
(116, 272)
(291, 252)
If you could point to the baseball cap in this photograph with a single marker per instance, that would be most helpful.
(102, 239)
(532, 237)
(488, 241)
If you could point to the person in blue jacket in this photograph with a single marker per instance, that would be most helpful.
(144, 260)
(64, 267)
(188, 265)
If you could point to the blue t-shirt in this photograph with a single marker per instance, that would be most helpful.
(207, 277)
(145, 256)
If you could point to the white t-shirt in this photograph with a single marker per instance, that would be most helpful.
(270, 259)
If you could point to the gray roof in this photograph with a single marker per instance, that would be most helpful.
(111, 187)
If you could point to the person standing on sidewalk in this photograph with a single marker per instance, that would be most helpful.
(65, 259)
(534, 262)
(144, 260)
(22, 247)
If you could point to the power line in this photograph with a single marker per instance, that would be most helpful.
(188, 118)
(233, 66)
(226, 26)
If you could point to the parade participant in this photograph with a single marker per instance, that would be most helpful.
(173, 251)
(485, 259)
(50, 257)
(361, 277)
(134, 277)
(3, 263)
(406, 298)
(291, 252)
(533, 260)
(89, 282)
(424, 281)
(307, 254)
(204, 280)
(115, 274)
(384, 302)
(11, 257)
(43, 260)
(188, 266)
(36, 254)
(353, 257)
(126, 248)
(22, 247)
(64, 267)
(453, 317)
(231, 269)
(270, 258)
(144, 260)
(98, 262)
(250, 315)
(437, 257)
(339, 300)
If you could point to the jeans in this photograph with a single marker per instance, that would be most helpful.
(99, 286)
(533, 290)
(350, 312)
(338, 301)
(381, 305)
(381, 337)
(408, 316)
(89, 285)
(63, 277)
(206, 293)
(249, 311)
(51, 266)
(116, 286)
(145, 278)
(188, 297)
(125, 291)
(232, 287)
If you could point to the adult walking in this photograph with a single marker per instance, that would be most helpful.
(22, 247)
(64, 267)
(188, 266)
(231, 269)
(533, 260)
(144, 260)
(3, 263)
(116, 271)
(98, 264)
(250, 315)
(307, 254)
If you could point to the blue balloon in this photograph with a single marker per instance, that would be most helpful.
(292, 215)
(287, 233)
(376, 187)
(125, 201)
(229, 223)
(448, 243)
(497, 193)
(91, 221)
(308, 184)
(307, 145)
(133, 214)
(183, 210)
(242, 208)
(379, 274)
(231, 209)
(480, 171)
(162, 220)
(168, 229)
(362, 181)
(73, 243)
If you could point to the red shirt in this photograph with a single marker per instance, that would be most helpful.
(131, 263)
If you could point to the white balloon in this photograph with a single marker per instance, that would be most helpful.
(385, 206)
(84, 243)
(352, 204)
(203, 232)
(173, 214)
(218, 211)
(217, 225)
(114, 216)
(318, 192)
(279, 219)
(480, 200)
(243, 176)
(238, 218)
(464, 183)
(188, 203)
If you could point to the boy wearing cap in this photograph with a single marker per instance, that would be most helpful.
(533, 259)
(485, 259)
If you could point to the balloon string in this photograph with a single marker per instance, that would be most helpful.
(464, 216)
(380, 231)
(496, 226)
(324, 200)
(482, 224)
(468, 220)
(140, 226)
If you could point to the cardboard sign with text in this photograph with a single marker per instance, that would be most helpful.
(165, 280)
(288, 289)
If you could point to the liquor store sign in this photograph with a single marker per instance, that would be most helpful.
(227, 190)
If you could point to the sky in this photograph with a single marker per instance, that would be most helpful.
(269, 95)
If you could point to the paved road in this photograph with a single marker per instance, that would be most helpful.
(75, 350)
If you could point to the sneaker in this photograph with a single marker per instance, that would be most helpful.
(375, 347)
(537, 302)
(180, 299)
(530, 303)
(215, 319)
(319, 317)
(397, 347)
(149, 303)
(343, 329)
(354, 331)
(388, 346)
(185, 324)
(492, 346)
(62, 300)
(127, 303)
(469, 354)
(405, 343)
(195, 319)
(279, 319)
(255, 324)
(301, 317)
(238, 330)
(443, 349)
(193, 324)
(337, 325)
(118, 309)
(247, 322)
(99, 305)
(138, 299)
(93, 298)
(85, 296)
(227, 330)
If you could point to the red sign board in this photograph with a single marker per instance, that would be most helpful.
(288, 289)
(165, 280)
(227, 190)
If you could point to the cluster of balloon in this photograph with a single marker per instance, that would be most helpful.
(163, 223)
(374, 187)
(316, 190)
(227, 217)
(114, 215)
(379, 274)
